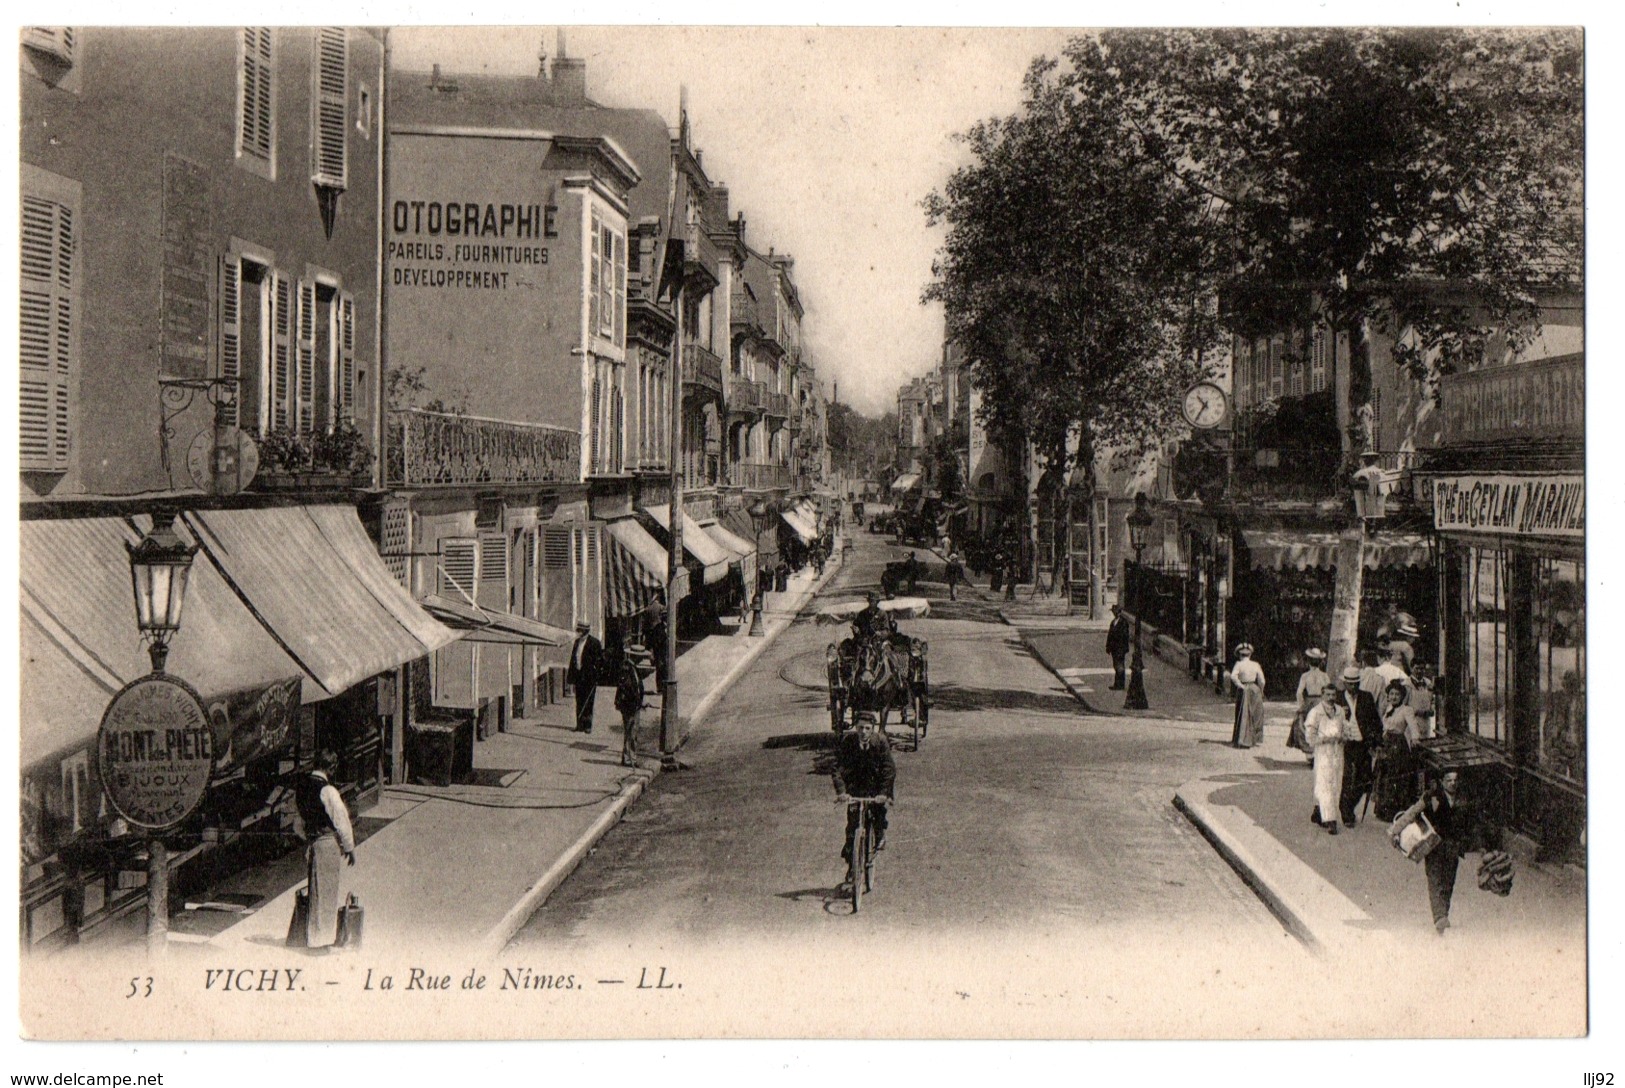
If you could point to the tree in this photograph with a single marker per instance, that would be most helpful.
(1077, 273)
(1420, 183)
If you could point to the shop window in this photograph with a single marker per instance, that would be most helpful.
(1487, 656)
(1559, 612)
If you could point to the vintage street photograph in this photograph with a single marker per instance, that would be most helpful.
(692, 532)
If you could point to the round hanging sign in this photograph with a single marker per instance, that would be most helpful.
(155, 751)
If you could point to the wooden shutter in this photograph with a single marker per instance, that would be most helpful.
(305, 371)
(555, 589)
(618, 272)
(594, 273)
(492, 592)
(344, 399)
(588, 574)
(459, 564)
(46, 345)
(332, 106)
(281, 350)
(57, 41)
(254, 130)
(231, 331)
(617, 423)
(606, 285)
(455, 665)
(595, 435)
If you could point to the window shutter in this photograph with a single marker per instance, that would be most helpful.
(459, 562)
(346, 377)
(281, 350)
(492, 591)
(46, 334)
(594, 273)
(616, 427)
(305, 372)
(231, 332)
(595, 438)
(56, 41)
(554, 577)
(619, 272)
(254, 130)
(332, 106)
(606, 283)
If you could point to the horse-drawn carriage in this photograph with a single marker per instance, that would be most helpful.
(881, 673)
(901, 576)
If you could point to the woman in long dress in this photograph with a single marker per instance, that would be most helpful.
(1248, 676)
(1325, 728)
(1314, 678)
(1397, 762)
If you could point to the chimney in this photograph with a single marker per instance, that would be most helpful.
(569, 78)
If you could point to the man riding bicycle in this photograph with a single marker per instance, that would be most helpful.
(864, 767)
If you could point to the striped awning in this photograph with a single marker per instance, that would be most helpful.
(805, 528)
(635, 568)
(705, 551)
(1277, 549)
(744, 549)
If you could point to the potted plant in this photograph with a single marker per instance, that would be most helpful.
(343, 451)
(283, 453)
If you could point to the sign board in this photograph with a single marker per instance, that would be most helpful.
(155, 751)
(187, 239)
(222, 462)
(1510, 505)
(1542, 399)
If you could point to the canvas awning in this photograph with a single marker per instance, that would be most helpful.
(635, 573)
(908, 481)
(702, 548)
(805, 529)
(479, 625)
(1277, 549)
(744, 549)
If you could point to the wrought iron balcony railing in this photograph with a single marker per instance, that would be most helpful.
(426, 449)
(744, 396)
(702, 367)
(759, 477)
(778, 405)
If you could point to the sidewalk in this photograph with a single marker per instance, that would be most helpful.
(1341, 895)
(465, 866)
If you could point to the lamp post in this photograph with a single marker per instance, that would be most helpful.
(1139, 527)
(159, 567)
(758, 513)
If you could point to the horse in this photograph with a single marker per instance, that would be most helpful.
(887, 676)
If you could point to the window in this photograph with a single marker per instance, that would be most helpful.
(1558, 600)
(245, 346)
(606, 282)
(458, 565)
(1317, 370)
(330, 102)
(280, 386)
(48, 323)
(256, 101)
(1277, 348)
(1487, 685)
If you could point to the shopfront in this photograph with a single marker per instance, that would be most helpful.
(1515, 645)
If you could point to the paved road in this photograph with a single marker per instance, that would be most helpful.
(1036, 841)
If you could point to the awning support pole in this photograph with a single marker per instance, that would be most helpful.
(670, 724)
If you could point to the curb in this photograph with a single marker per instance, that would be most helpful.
(1072, 689)
(1311, 909)
(497, 938)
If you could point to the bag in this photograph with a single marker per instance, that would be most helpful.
(351, 915)
(1413, 835)
(299, 924)
(1495, 872)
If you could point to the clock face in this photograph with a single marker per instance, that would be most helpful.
(1204, 405)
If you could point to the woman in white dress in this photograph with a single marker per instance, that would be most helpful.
(1325, 728)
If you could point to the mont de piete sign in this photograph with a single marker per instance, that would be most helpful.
(155, 752)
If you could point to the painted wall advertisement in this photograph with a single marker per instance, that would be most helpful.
(1511, 505)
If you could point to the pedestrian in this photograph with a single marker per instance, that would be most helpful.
(1010, 566)
(1395, 669)
(1325, 730)
(996, 575)
(1117, 645)
(329, 839)
(1396, 766)
(956, 571)
(586, 663)
(1248, 676)
(629, 701)
(1310, 685)
(1364, 734)
(1372, 682)
(1421, 698)
(1463, 825)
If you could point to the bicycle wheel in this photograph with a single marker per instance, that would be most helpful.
(868, 853)
(854, 869)
(917, 729)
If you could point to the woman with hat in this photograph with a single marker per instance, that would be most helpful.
(1310, 685)
(1248, 676)
(1326, 728)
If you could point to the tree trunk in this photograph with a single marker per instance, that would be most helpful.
(1342, 643)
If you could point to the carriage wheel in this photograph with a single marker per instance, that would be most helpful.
(837, 711)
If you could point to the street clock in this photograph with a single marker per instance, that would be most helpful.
(1205, 406)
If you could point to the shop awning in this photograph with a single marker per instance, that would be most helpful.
(744, 549)
(79, 644)
(316, 583)
(702, 548)
(479, 625)
(636, 570)
(1277, 549)
(908, 481)
(806, 530)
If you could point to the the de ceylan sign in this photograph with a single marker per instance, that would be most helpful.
(155, 751)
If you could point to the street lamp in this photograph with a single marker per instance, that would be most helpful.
(1139, 528)
(159, 566)
(758, 514)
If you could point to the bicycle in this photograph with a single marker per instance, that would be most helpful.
(860, 868)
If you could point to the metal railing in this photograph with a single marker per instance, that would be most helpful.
(744, 396)
(702, 367)
(430, 448)
(758, 476)
(778, 405)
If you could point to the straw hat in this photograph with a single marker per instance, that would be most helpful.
(1244, 650)
(1352, 674)
(1314, 654)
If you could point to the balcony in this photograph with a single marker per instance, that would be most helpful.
(702, 368)
(758, 477)
(778, 405)
(745, 311)
(430, 449)
(745, 397)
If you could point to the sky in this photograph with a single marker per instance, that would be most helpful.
(828, 140)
